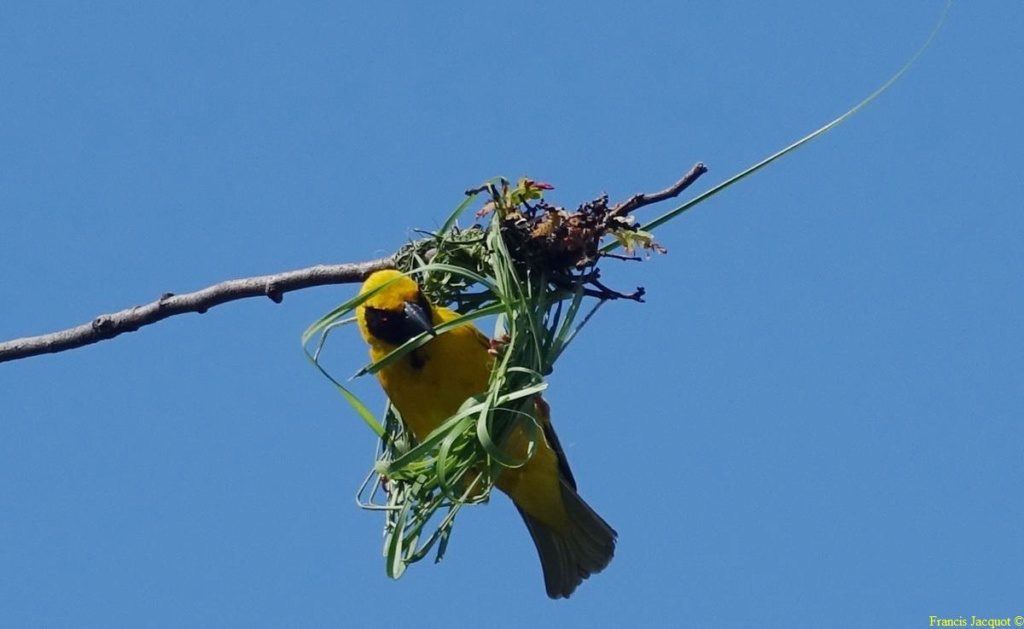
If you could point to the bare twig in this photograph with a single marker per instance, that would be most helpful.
(108, 326)
(609, 294)
(638, 201)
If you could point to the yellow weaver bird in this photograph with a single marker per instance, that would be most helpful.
(430, 383)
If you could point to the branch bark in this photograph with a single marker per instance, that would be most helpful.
(108, 326)
(638, 201)
(274, 286)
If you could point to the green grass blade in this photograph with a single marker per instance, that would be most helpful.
(448, 224)
(360, 408)
(664, 218)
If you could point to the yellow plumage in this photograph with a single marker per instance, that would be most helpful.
(428, 386)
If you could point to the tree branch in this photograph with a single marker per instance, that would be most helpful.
(108, 326)
(638, 201)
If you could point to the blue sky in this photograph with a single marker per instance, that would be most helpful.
(816, 416)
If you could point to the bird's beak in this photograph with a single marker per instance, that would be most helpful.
(420, 317)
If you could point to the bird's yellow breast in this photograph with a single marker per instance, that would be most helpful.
(429, 385)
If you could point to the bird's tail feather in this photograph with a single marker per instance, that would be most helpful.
(568, 558)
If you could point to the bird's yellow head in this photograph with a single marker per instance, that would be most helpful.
(396, 313)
